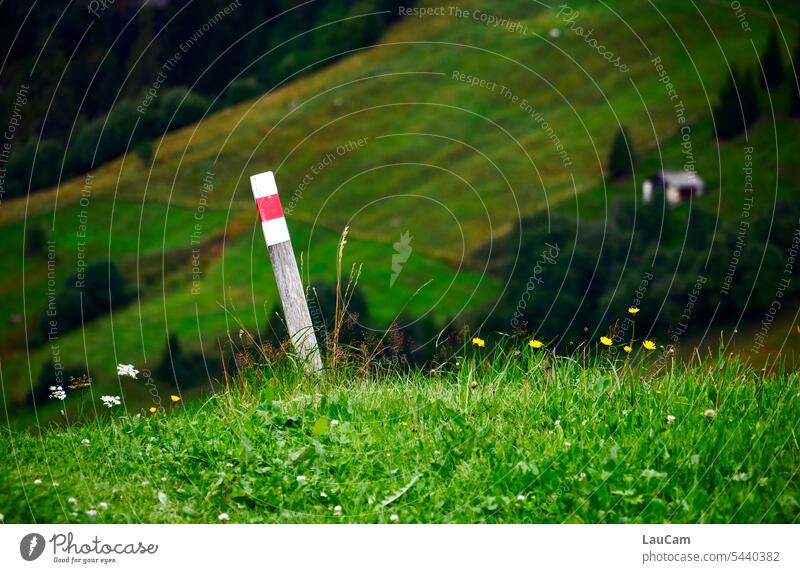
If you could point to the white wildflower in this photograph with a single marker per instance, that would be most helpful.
(2, 518)
(110, 401)
(56, 484)
(557, 422)
(337, 511)
(520, 497)
(127, 370)
(224, 517)
(709, 413)
(102, 505)
(568, 444)
(85, 442)
(37, 482)
(72, 501)
(554, 33)
(334, 423)
(394, 517)
(323, 494)
(670, 419)
(57, 392)
(740, 477)
(91, 513)
(302, 479)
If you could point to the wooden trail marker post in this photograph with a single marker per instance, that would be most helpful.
(284, 265)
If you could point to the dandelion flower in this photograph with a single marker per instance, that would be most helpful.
(224, 517)
(127, 370)
(633, 310)
(649, 344)
(670, 419)
(536, 343)
(152, 409)
(709, 413)
(606, 341)
(110, 401)
(627, 348)
(479, 342)
(175, 398)
(394, 517)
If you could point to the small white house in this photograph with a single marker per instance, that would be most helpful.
(677, 186)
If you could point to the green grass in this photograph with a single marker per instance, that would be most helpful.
(511, 439)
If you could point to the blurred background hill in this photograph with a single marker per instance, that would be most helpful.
(488, 160)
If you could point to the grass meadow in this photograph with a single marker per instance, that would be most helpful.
(511, 435)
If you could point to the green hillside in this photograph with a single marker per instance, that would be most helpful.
(455, 165)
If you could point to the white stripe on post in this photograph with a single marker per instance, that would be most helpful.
(284, 265)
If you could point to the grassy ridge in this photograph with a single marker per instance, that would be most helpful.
(526, 438)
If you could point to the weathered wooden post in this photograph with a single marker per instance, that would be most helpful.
(284, 265)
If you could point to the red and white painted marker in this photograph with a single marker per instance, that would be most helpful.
(273, 223)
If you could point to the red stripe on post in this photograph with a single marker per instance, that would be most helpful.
(269, 208)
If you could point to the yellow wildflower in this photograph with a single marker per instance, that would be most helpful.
(175, 398)
(479, 342)
(152, 409)
(650, 344)
(536, 343)
(627, 348)
(606, 341)
(633, 309)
